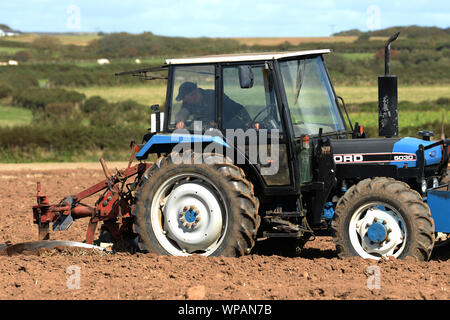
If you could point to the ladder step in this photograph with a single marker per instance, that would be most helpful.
(282, 234)
(284, 214)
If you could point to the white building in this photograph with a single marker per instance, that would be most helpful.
(8, 33)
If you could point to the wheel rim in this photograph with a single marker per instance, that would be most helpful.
(377, 230)
(188, 216)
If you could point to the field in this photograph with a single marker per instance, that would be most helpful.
(149, 94)
(294, 40)
(9, 50)
(63, 137)
(11, 116)
(268, 41)
(146, 94)
(355, 56)
(359, 94)
(81, 39)
(370, 119)
(315, 274)
(144, 61)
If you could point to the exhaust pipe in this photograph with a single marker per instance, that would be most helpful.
(388, 96)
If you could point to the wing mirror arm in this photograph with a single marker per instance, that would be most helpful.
(345, 109)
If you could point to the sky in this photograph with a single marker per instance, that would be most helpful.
(221, 18)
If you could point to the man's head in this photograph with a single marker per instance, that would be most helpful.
(188, 92)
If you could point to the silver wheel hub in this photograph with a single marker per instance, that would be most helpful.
(188, 219)
(377, 230)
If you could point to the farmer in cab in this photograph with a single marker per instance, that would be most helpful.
(200, 105)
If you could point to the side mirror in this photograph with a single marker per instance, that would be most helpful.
(245, 77)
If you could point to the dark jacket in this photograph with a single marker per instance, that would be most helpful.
(234, 114)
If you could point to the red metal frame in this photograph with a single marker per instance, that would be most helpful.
(113, 207)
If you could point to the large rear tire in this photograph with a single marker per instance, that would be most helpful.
(204, 207)
(383, 217)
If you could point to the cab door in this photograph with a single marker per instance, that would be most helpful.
(251, 122)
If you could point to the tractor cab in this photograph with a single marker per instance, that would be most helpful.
(278, 91)
(283, 100)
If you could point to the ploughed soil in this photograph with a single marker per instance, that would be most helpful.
(316, 273)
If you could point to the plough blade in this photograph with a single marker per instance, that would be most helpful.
(11, 249)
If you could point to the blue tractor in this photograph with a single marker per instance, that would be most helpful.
(253, 152)
(254, 148)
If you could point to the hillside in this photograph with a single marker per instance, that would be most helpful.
(58, 95)
(406, 31)
(5, 27)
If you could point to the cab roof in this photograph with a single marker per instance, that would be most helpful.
(244, 57)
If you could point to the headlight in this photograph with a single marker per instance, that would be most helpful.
(424, 186)
(435, 182)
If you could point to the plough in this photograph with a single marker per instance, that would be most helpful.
(113, 207)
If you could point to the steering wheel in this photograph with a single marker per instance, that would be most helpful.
(265, 120)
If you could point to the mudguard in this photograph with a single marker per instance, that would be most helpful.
(164, 143)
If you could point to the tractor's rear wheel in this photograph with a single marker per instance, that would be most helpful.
(383, 217)
(203, 206)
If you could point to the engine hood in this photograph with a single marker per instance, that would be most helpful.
(401, 152)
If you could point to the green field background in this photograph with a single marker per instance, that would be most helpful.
(115, 110)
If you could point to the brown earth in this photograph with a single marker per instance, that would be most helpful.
(316, 274)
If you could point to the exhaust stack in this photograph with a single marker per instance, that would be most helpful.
(388, 96)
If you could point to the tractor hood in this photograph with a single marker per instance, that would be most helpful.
(401, 152)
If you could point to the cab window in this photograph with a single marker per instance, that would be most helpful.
(193, 97)
(243, 108)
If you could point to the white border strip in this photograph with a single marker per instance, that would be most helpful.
(245, 57)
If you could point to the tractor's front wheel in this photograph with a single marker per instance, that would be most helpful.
(383, 217)
(203, 206)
